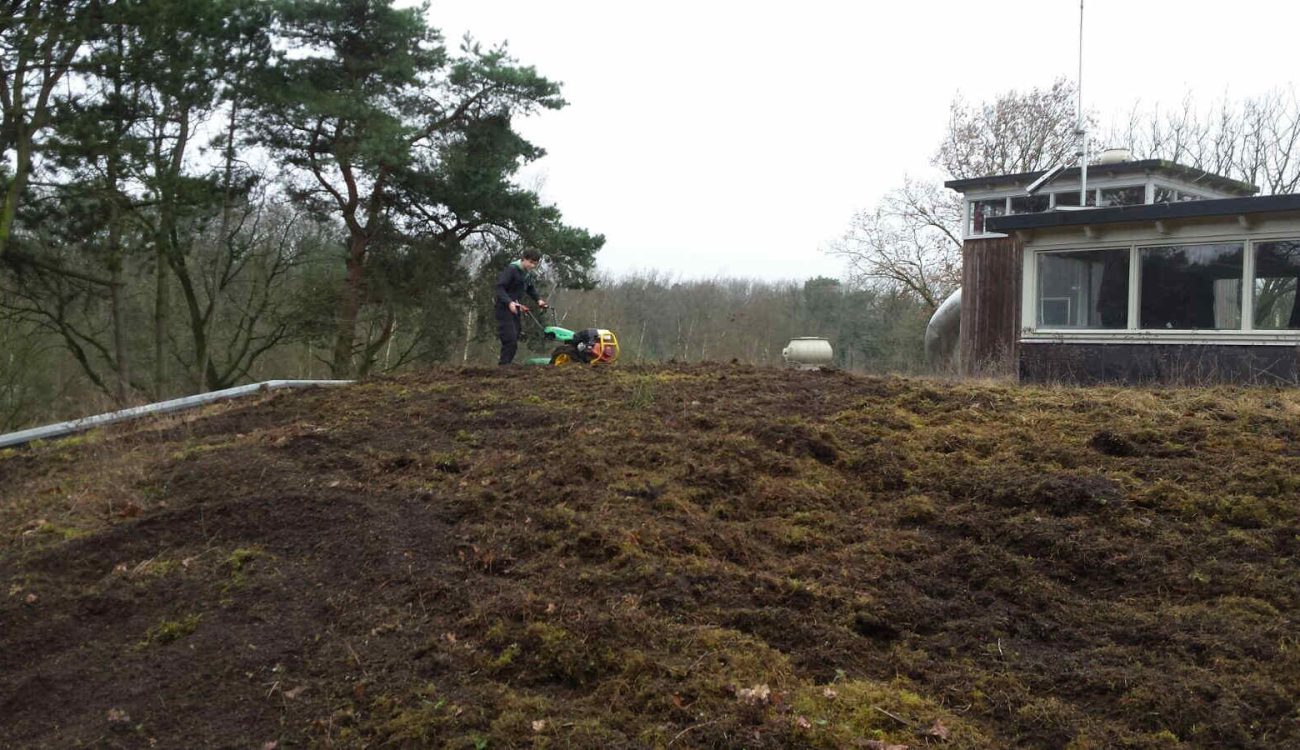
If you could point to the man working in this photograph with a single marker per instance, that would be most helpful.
(512, 283)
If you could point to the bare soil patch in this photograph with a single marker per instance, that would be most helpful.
(688, 556)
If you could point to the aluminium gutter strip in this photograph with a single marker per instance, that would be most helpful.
(63, 429)
(1146, 212)
(1179, 338)
(1151, 167)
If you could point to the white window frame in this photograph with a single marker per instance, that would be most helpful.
(1146, 194)
(1176, 187)
(968, 228)
(1030, 322)
(1248, 294)
(1135, 299)
(1069, 306)
(1095, 185)
(1094, 193)
(1247, 334)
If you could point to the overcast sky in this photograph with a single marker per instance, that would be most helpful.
(711, 137)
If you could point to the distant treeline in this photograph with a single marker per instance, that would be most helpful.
(656, 318)
(659, 319)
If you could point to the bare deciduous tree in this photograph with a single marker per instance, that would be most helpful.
(1256, 140)
(1016, 132)
(910, 242)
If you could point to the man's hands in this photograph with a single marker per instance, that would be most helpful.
(518, 307)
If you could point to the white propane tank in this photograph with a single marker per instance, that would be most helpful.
(1114, 156)
(808, 353)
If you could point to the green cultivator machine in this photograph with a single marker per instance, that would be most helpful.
(589, 346)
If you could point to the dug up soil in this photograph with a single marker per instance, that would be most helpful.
(693, 556)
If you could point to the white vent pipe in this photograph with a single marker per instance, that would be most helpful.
(63, 429)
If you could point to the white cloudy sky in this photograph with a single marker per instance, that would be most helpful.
(730, 137)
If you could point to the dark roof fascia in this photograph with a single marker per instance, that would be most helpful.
(1152, 166)
(1146, 212)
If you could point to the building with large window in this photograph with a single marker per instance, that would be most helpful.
(1194, 282)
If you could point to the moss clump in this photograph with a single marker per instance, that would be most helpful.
(172, 630)
(562, 656)
(1242, 511)
(505, 659)
(416, 720)
(447, 462)
(541, 653)
(843, 713)
(242, 557)
(239, 564)
(45, 528)
(642, 395)
(918, 509)
(195, 450)
(153, 568)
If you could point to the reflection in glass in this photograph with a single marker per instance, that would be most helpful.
(1125, 196)
(1029, 204)
(1085, 289)
(1277, 267)
(1169, 195)
(981, 210)
(1191, 286)
(1071, 198)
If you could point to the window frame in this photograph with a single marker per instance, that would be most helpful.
(1248, 289)
(1135, 277)
(970, 215)
(1128, 318)
(1031, 331)
(1094, 195)
(1143, 186)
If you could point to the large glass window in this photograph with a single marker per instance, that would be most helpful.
(1124, 196)
(1277, 267)
(1191, 286)
(981, 210)
(1083, 289)
(1029, 204)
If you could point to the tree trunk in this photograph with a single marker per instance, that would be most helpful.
(349, 307)
(119, 337)
(16, 186)
(115, 283)
(160, 305)
(168, 253)
(224, 246)
(469, 334)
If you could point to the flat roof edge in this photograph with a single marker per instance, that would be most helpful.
(1157, 166)
(1147, 212)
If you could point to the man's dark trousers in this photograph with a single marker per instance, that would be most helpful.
(508, 327)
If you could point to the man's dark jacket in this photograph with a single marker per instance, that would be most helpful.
(512, 284)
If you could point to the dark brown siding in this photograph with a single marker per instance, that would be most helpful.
(990, 305)
(1142, 364)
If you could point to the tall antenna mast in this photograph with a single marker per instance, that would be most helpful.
(1079, 130)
